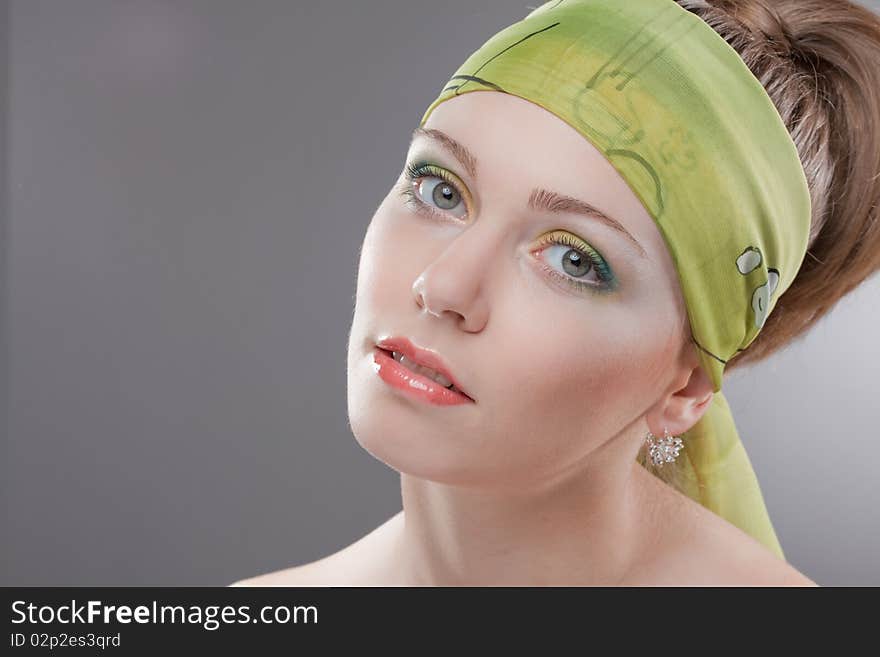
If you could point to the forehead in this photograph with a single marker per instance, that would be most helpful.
(515, 142)
(518, 145)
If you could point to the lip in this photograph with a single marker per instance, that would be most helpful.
(422, 356)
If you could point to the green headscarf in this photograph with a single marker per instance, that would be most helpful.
(680, 116)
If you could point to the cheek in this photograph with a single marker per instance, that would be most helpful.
(567, 381)
(391, 257)
(563, 371)
(582, 352)
(564, 349)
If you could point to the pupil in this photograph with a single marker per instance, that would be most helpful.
(575, 264)
(445, 196)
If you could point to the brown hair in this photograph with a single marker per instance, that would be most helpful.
(819, 61)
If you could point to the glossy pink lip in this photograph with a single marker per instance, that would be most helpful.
(421, 356)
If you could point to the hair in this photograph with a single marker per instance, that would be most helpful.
(819, 61)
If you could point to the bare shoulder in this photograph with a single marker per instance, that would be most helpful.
(308, 574)
(353, 565)
(717, 553)
(700, 548)
(741, 560)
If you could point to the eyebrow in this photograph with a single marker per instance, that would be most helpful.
(539, 199)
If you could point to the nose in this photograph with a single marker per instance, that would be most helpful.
(453, 284)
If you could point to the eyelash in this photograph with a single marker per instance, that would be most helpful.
(415, 171)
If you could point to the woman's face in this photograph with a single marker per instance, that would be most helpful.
(562, 329)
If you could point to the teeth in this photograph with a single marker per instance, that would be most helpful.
(421, 369)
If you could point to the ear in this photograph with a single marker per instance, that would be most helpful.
(682, 408)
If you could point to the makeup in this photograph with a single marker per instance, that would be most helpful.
(568, 249)
(415, 385)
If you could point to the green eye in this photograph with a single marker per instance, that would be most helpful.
(571, 260)
(575, 263)
(429, 196)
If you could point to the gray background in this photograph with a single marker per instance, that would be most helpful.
(187, 186)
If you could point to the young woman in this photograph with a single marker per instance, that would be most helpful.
(642, 196)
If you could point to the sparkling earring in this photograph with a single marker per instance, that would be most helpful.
(665, 449)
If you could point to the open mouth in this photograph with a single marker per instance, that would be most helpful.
(422, 370)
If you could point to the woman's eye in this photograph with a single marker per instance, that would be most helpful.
(572, 262)
(578, 265)
(432, 191)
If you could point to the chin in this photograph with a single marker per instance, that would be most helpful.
(394, 437)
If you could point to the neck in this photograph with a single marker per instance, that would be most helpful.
(586, 527)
